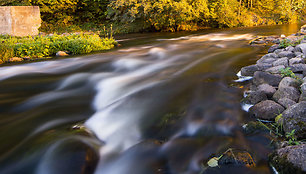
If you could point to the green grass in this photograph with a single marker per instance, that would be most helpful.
(46, 46)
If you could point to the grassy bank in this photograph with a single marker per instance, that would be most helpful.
(47, 46)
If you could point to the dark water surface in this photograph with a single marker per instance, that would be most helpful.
(162, 103)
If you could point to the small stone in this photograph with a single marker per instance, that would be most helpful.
(286, 102)
(288, 54)
(249, 70)
(15, 59)
(276, 69)
(266, 110)
(267, 89)
(281, 61)
(296, 61)
(61, 54)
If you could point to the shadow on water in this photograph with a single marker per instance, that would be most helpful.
(163, 103)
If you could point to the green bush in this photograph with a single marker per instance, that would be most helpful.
(45, 46)
(6, 51)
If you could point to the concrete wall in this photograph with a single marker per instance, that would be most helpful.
(19, 20)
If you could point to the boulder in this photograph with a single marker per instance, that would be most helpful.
(249, 70)
(273, 48)
(266, 110)
(266, 89)
(270, 55)
(290, 159)
(263, 66)
(282, 61)
(61, 54)
(289, 48)
(278, 51)
(286, 102)
(288, 54)
(288, 81)
(267, 78)
(298, 67)
(287, 92)
(268, 60)
(301, 48)
(295, 119)
(275, 69)
(255, 97)
(296, 61)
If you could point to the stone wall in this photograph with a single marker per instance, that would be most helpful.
(19, 20)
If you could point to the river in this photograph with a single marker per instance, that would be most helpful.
(162, 103)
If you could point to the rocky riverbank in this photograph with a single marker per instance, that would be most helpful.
(277, 94)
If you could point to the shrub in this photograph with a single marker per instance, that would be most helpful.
(45, 46)
(6, 51)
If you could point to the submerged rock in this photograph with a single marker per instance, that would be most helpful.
(295, 119)
(266, 110)
(290, 159)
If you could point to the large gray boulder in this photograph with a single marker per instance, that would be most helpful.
(296, 68)
(275, 69)
(286, 102)
(266, 78)
(266, 89)
(282, 61)
(301, 48)
(288, 81)
(295, 119)
(296, 61)
(255, 97)
(287, 92)
(266, 110)
(249, 70)
(290, 159)
(288, 54)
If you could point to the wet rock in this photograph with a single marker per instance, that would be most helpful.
(298, 67)
(255, 97)
(288, 54)
(290, 159)
(296, 61)
(295, 119)
(276, 69)
(273, 48)
(266, 110)
(249, 70)
(282, 61)
(267, 78)
(61, 54)
(15, 59)
(287, 92)
(286, 102)
(266, 89)
(263, 66)
(236, 157)
(288, 81)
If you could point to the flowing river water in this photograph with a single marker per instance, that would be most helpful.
(161, 104)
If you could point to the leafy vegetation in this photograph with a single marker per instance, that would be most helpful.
(163, 15)
(44, 46)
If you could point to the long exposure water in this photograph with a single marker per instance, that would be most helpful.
(163, 103)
